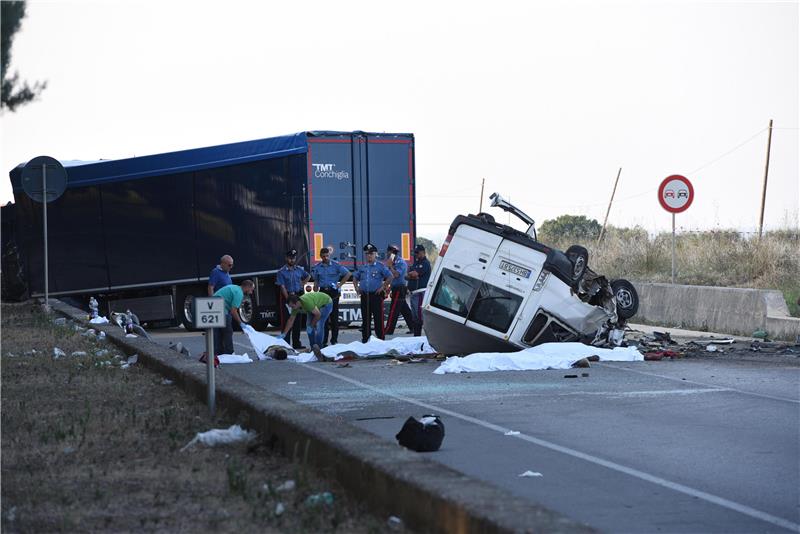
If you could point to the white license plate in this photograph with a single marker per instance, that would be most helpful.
(515, 269)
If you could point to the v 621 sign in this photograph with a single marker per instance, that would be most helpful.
(675, 193)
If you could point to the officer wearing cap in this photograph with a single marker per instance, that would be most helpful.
(290, 280)
(399, 290)
(329, 276)
(418, 275)
(369, 281)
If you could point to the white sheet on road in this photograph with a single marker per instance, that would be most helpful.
(399, 345)
(545, 356)
(234, 358)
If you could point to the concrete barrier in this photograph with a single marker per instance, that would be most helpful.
(728, 310)
(391, 480)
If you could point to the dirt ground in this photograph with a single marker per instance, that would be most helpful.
(89, 445)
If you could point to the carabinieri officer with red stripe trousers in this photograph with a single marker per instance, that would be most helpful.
(399, 290)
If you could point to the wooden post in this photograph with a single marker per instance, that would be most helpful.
(764, 190)
(603, 231)
(480, 207)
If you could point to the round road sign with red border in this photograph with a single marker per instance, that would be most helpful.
(676, 193)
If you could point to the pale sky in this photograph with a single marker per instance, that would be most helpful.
(545, 100)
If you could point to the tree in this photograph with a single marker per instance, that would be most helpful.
(576, 227)
(14, 92)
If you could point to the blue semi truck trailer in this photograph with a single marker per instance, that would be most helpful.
(143, 233)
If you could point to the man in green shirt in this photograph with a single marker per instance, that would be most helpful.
(318, 306)
(233, 296)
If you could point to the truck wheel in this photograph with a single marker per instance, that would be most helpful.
(185, 299)
(579, 257)
(250, 315)
(627, 298)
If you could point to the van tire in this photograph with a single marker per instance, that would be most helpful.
(626, 297)
(579, 258)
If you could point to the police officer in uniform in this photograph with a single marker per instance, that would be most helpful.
(370, 280)
(290, 281)
(329, 276)
(418, 276)
(399, 290)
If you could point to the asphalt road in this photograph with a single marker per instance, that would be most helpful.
(709, 444)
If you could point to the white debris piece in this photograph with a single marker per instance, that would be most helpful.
(511, 433)
(78, 353)
(133, 359)
(221, 436)
(99, 320)
(292, 383)
(131, 335)
(234, 358)
(101, 353)
(58, 353)
(101, 336)
(61, 321)
(89, 333)
(711, 348)
(544, 356)
(265, 487)
(394, 523)
(279, 508)
(530, 474)
(289, 485)
(78, 328)
(167, 382)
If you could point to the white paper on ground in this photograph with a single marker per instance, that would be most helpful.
(545, 356)
(398, 345)
(234, 358)
(530, 474)
(99, 320)
(221, 436)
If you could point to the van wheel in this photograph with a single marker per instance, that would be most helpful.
(579, 257)
(627, 298)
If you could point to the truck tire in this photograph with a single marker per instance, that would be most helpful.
(249, 314)
(579, 257)
(183, 306)
(627, 298)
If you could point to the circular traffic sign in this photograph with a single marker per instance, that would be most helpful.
(675, 193)
(33, 174)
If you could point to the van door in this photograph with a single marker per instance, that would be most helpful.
(459, 274)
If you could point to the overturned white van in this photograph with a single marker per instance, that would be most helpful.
(495, 288)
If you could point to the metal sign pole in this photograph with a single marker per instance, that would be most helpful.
(673, 248)
(210, 373)
(44, 211)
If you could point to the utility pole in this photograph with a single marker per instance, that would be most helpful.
(480, 207)
(603, 231)
(764, 190)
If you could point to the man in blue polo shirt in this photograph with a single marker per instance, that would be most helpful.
(220, 275)
(399, 290)
(418, 276)
(290, 281)
(329, 276)
(370, 279)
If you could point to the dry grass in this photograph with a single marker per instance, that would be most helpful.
(714, 258)
(89, 446)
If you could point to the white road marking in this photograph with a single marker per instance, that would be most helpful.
(682, 381)
(686, 490)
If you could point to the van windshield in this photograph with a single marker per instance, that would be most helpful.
(479, 302)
